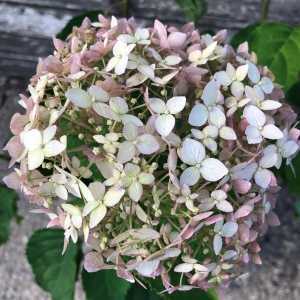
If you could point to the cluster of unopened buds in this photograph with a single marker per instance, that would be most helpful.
(157, 147)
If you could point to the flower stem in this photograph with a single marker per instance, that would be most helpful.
(265, 4)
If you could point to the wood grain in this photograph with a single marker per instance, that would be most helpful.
(26, 26)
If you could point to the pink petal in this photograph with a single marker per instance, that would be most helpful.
(93, 262)
(241, 186)
(243, 211)
(177, 39)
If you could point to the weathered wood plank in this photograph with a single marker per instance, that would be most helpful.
(73, 5)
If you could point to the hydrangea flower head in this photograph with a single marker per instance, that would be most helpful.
(167, 140)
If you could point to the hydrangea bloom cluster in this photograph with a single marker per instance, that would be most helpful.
(157, 146)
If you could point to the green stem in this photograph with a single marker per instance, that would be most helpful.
(125, 8)
(265, 4)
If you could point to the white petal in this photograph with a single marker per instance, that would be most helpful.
(146, 178)
(241, 72)
(120, 67)
(222, 78)
(98, 93)
(142, 33)
(254, 116)
(130, 131)
(86, 192)
(272, 132)
(97, 215)
(176, 104)
(244, 171)
(53, 148)
(135, 191)
(211, 131)
(217, 244)
(140, 213)
(210, 93)
(148, 268)
(147, 144)
(105, 111)
(71, 209)
(209, 49)
(31, 139)
(126, 152)
(172, 60)
(225, 206)
(131, 119)
(190, 176)
(289, 148)
(164, 124)
(35, 158)
(212, 169)
(118, 105)
(79, 97)
(89, 207)
(97, 189)
(237, 89)
(210, 144)
(269, 160)
(61, 192)
(136, 79)
(229, 229)
(184, 268)
(253, 73)
(147, 71)
(198, 115)
(266, 85)
(227, 133)
(113, 196)
(111, 64)
(253, 135)
(119, 48)
(191, 152)
(157, 105)
(263, 178)
(219, 195)
(48, 134)
(270, 105)
(217, 117)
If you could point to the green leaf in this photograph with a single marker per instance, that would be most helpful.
(195, 294)
(8, 210)
(76, 21)
(277, 46)
(193, 9)
(291, 178)
(297, 208)
(293, 94)
(54, 272)
(137, 292)
(104, 285)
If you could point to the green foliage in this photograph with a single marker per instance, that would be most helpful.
(54, 272)
(110, 287)
(297, 208)
(293, 94)
(277, 46)
(292, 177)
(193, 9)
(104, 285)
(195, 294)
(8, 210)
(136, 292)
(76, 21)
